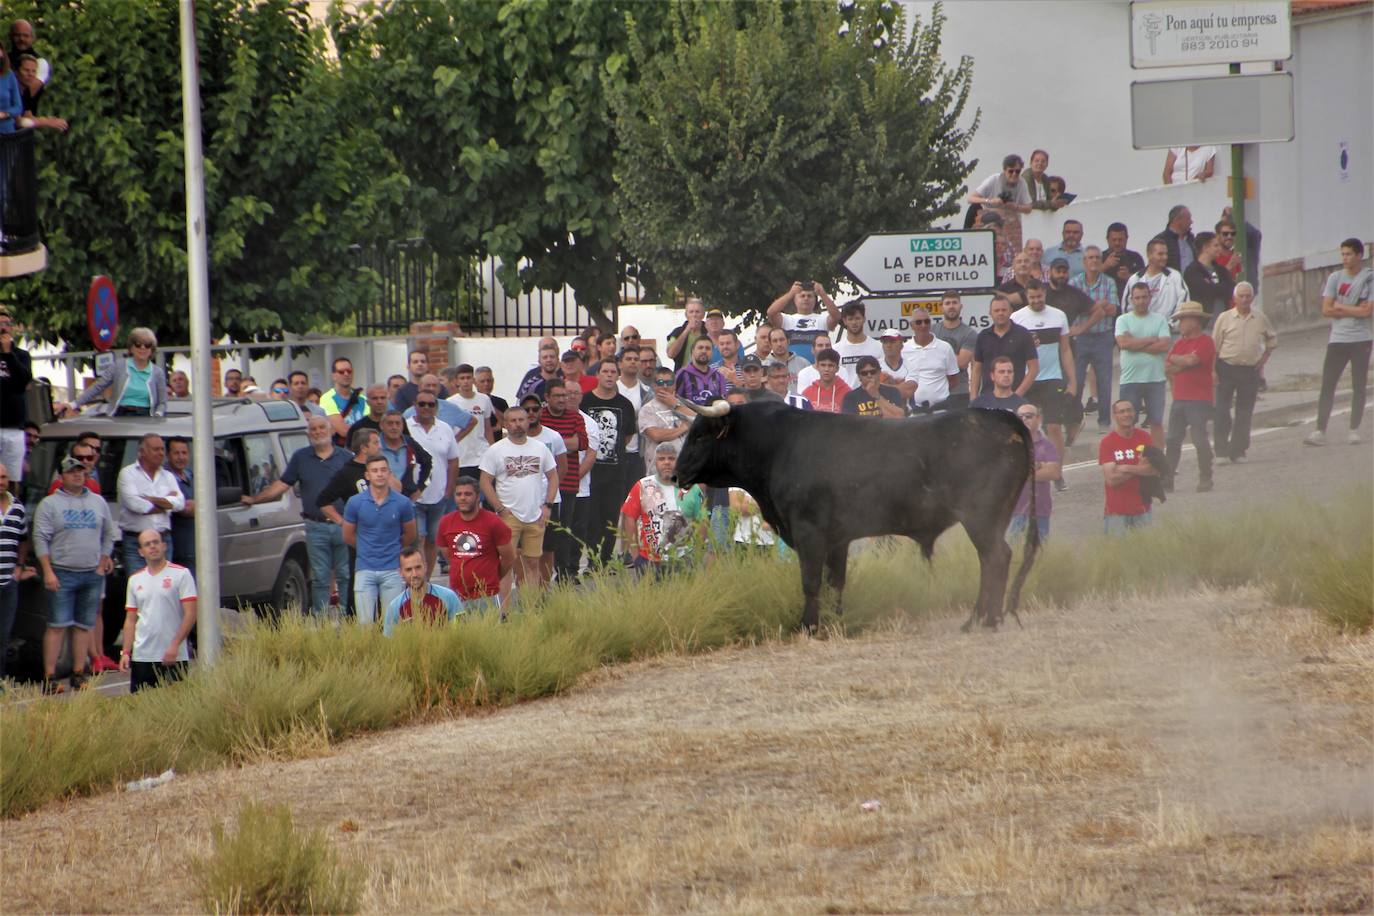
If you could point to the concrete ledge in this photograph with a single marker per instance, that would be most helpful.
(20, 265)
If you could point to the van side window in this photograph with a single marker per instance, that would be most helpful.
(229, 464)
(261, 457)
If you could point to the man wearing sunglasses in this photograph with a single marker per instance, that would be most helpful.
(931, 366)
(1004, 190)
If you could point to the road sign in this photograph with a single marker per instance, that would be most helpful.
(903, 262)
(883, 312)
(1214, 110)
(102, 312)
(1182, 33)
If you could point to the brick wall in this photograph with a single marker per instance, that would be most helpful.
(433, 338)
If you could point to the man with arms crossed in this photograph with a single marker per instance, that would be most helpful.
(160, 611)
(1121, 457)
(479, 548)
(1348, 300)
(520, 481)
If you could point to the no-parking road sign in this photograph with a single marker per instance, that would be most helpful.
(102, 312)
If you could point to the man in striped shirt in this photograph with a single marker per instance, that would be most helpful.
(14, 551)
(697, 377)
(1093, 335)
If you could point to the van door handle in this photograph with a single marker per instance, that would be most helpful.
(254, 522)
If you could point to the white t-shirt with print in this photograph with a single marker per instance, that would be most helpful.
(557, 446)
(849, 356)
(521, 476)
(635, 395)
(158, 600)
(584, 487)
(441, 443)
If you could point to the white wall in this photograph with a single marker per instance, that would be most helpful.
(1054, 75)
(1305, 206)
(1144, 211)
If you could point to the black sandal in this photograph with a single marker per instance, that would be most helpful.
(80, 679)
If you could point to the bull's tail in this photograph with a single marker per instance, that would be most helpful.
(1032, 539)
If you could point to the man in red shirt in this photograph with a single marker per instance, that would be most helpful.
(1123, 464)
(1189, 368)
(479, 549)
(827, 392)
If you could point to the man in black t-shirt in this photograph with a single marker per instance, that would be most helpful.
(1119, 262)
(872, 399)
(617, 422)
(1074, 303)
(1004, 338)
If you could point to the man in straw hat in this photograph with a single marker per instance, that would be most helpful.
(1189, 368)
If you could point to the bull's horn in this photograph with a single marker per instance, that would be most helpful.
(716, 409)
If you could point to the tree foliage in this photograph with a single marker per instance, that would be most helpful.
(497, 112)
(773, 135)
(293, 177)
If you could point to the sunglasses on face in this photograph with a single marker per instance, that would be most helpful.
(280, 390)
(663, 382)
(140, 345)
(426, 403)
(921, 321)
(629, 337)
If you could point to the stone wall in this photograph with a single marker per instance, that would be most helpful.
(1291, 291)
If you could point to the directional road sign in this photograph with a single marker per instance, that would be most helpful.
(102, 312)
(903, 262)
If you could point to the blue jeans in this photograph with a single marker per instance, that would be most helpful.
(77, 599)
(1019, 523)
(133, 560)
(1120, 524)
(1148, 400)
(328, 554)
(371, 584)
(480, 606)
(1096, 350)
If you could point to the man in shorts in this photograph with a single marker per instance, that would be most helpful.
(160, 612)
(520, 482)
(74, 538)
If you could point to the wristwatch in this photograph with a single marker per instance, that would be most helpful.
(549, 505)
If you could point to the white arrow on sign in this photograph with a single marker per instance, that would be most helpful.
(901, 262)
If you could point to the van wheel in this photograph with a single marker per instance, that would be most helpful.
(291, 590)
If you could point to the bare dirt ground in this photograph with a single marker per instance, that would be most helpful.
(1202, 753)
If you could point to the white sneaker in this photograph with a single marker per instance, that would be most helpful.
(1353, 438)
(1316, 437)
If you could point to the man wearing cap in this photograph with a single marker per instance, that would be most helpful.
(892, 366)
(73, 537)
(1189, 368)
(803, 327)
(573, 375)
(931, 366)
(754, 369)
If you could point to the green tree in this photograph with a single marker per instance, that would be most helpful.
(498, 113)
(773, 135)
(293, 177)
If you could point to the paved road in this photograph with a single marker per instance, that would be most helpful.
(1279, 467)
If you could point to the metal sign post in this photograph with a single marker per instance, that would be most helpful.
(197, 260)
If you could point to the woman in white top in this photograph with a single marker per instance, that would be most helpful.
(1185, 163)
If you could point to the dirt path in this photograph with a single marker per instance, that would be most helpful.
(1207, 752)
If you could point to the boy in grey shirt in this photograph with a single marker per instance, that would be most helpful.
(1348, 300)
(73, 536)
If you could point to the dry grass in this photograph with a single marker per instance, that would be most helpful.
(1206, 751)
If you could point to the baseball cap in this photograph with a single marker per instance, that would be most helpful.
(716, 313)
(578, 344)
(72, 464)
(891, 334)
(571, 354)
(751, 362)
(1057, 262)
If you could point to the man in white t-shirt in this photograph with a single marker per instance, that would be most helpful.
(854, 342)
(637, 392)
(931, 366)
(472, 447)
(802, 327)
(160, 610)
(520, 483)
(1057, 380)
(436, 499)
(558, 447)
(1004, 190)
(810, 375)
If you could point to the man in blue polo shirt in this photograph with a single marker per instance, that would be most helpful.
(313, 467)
(377, 523)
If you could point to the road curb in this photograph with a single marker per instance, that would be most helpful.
(1294, 413)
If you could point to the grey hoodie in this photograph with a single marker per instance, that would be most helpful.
(74, 532)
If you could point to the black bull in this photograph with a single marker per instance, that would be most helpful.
(822, 480)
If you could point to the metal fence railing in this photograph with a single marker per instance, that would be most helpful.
(417, 287)
(18, 193)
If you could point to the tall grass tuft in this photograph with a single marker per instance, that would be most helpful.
(269, 866)
(287, 689)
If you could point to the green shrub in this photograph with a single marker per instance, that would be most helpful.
(1340, 584)
(269, 866)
